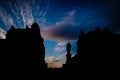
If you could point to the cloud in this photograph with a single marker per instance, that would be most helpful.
(59, 53)
(60, 47)
(68, 28)
(64, 30)
(6, 18)
(15, 12)
(61, 58)
(54, 62)
(26, 12)
(50, 59)
(23, 12)
(40, 10)
(2, 34)
(58, 58)
(68, 20)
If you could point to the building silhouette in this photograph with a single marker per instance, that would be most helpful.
(23, 50)
(97, 54)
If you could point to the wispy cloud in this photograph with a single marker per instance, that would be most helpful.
(5, 17)
(68, 20)
(15, 11)
(40, 10)
(58, 58)
(26, 12)
(61, 46)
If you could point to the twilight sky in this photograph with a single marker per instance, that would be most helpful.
(60, 21)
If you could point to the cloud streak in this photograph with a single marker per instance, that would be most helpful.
(6, 18)
(60, 46)
(64, 30)
(40, 10)
(21, 12)
(26, 12)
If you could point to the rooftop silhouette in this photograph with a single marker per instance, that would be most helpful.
(23, 50)
(97, 54)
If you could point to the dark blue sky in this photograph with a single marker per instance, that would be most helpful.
(60, 20)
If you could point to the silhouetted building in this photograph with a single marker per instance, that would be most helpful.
(97, 53)
(23, 49)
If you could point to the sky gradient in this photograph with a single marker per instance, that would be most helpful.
(60, 21)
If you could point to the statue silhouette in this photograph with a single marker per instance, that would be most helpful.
(68, 47)
(68, 55)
